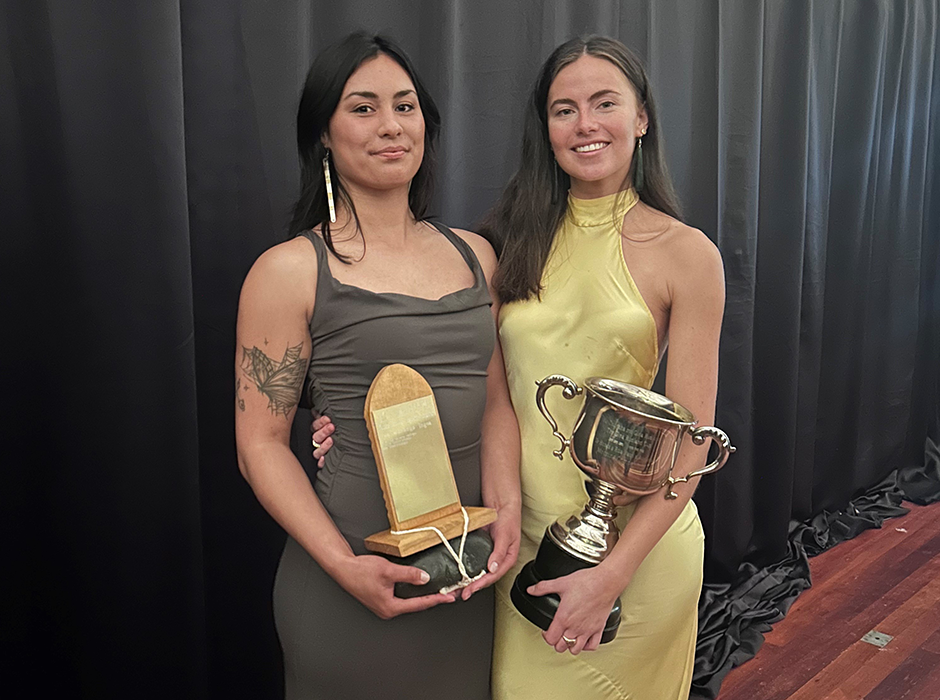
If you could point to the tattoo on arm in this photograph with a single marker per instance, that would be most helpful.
(280, 381)
(238, 398)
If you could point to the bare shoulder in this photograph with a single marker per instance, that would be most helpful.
(689, 243)
(695, 260)
(287, 270)
(481, 248)
(293, 259)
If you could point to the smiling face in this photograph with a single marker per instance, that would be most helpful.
(594, 119)
(376, 134)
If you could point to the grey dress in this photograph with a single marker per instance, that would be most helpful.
(333, 646)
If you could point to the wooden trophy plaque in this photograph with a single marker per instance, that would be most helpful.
(414, 467)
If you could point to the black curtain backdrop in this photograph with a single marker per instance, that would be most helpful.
(148, 157)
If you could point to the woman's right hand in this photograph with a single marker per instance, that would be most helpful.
(371, 580)
(321, 428)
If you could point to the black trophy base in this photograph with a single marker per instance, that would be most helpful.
(550, 562)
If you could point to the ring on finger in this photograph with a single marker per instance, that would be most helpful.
(569, 642)
(316, 445)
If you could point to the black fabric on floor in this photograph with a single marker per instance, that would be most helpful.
(921, 485)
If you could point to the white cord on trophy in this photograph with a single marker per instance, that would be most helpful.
(465, 578)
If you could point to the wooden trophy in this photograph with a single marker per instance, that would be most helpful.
(418, 483)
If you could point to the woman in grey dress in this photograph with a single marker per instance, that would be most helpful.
(368, 282)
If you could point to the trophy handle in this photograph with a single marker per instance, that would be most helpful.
(699, 435)
(570, 391)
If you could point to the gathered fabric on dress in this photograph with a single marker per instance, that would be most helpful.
(591, 320)
(333, 646)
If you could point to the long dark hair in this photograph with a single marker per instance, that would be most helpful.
(523, 222)
(322, 91)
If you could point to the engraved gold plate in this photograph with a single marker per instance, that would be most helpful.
(416, 465)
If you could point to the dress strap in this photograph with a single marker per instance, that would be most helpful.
(479, 279)
(324, 276)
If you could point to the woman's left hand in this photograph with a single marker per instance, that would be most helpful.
(587, 597)
(321, 429)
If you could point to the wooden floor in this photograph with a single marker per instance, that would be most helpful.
(886, 580)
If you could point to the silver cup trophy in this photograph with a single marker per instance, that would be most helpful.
(627, 440)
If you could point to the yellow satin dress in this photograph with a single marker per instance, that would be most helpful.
(591, 321)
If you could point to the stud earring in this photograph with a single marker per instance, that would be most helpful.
(329, 186)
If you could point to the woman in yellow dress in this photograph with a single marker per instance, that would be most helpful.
(597, 275)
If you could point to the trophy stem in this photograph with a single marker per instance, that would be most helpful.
(592, 533)
(602, 499)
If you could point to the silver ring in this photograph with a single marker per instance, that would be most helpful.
(569, 642)
(316, 445)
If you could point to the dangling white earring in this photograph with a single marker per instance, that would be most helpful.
(329, 186)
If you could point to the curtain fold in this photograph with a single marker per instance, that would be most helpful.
(149, 158)
(99, 340)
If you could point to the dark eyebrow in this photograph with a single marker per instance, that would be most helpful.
(373, 96)
(596, 95)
